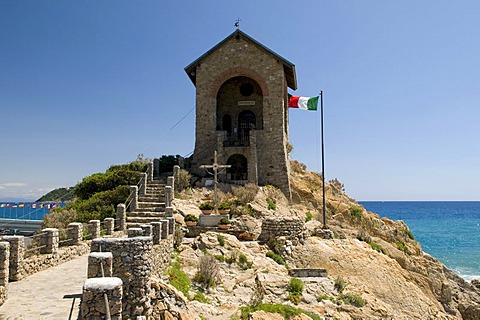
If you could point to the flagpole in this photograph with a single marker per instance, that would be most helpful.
(324, 216)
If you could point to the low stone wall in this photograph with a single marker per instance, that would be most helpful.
(4, 266)
(288, 227)
(307, 272)
(36, 263)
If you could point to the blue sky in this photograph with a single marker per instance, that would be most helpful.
(88, 84)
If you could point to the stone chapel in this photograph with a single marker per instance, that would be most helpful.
(242, 111)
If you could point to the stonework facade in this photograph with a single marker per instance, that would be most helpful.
(242, 111)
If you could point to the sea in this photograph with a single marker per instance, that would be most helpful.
(447, 230)
(27, 210)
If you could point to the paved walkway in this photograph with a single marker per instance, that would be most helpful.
(54, 293)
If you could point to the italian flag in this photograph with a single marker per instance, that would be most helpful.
(304, 103)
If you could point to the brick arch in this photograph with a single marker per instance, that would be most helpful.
(238, 72)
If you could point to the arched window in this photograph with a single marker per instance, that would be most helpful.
(239, 167)
(246, 122)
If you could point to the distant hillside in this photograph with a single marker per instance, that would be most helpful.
(59, 194)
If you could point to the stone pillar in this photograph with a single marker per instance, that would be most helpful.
(134, 194)
(171, 225)
(168, 211)
(94, 229)
(93, 298)
(49, 241)
(122, 217)
(156, 232)
(150, 171)
(171, 183)
(95, 259)
(168, 196)
(147, 230)
(75, 233)
(143, 186)
(132, 263)
(134, 232)
(109, 226)
(176, 170)
(4, 270)
(17, 250)
(165, 228)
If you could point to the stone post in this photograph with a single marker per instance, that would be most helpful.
(95, 259)
(122, 217)
(17, 250)
(168, 196)
(165, 228)
(94, 229)
(49, 241)
(176, 170)
(132, 263)
(4, 270)
(168, 211)
(93, 298)
(147, 230)
(143, 187)
(134, 232)
(171, 225)
(109, 226)
(171, 183)
(134, 194)
(150, 171)
(156, 231)
(75, 233)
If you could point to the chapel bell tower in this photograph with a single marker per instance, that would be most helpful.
(242, 111)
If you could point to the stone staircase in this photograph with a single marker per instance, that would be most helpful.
(150, 206)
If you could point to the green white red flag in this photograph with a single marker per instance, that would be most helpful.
(304, 103)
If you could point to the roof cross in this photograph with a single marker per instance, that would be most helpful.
(237, 23)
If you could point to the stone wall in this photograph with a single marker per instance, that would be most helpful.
(132, 263)
(287, 227)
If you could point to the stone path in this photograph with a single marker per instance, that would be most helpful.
(54, 293)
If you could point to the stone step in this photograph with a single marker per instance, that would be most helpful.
(139, 214)
(146, 199)
(144, 220)
(149, 204)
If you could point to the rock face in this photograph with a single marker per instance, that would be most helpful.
(376, 270)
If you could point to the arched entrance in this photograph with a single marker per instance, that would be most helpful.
(227, 124)
(238, 169)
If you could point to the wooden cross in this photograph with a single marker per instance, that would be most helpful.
(216, 167)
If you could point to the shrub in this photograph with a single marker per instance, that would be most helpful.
(340, 284)
(221, 239)
(243, 262)
(362, 236)
(183, 180)
(245, 194)
(409, 234)
(206, 206)
(326, 297)
(285, 311)
(109, 180)
(276, 257)
(224, 220)
(226, 205)
(219, 257)
(308, 216)
(403, 247)
(296, 166)
(295, 289)
(177, 237)
(352, 299)
(200, 297)
(356, 212)
(208, 271)
(191, 217)
(271, 204)
(179, 279)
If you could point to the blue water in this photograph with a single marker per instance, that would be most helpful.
(27, 210)
(449, 231)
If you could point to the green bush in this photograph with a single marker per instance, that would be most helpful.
(179, 279)
(276, 257)
(200, 297)
(206, 206)
(340, 284)
(183, 180)
(356, 212)
(219, 257)
(245, 194)
(208, 271)
(308, 216)
(109, 180)
(243, 262)
(285, 311)
(326, 297)
(352, 299)
(295, 289)
(224, 220)
(403, 247)
(221, 239)
(409, 234)
(191, 217)
(271, 204)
